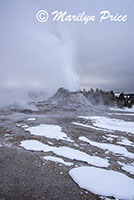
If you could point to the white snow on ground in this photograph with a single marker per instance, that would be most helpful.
(74, 154)
(123, 109)
(84, 117)
(22, 125)
(126, 142)
(123, 140)
(113, 136)
(109, 137)
(35, 145)
(66, 152)
(17, 124)
(49, 142)
(57, 160)
(31, 119)
(110, 147)
(86, 126)
(127, 167)
(7, 135)
(49, 131)
(104, 182)
(125, 114)
(112, 124)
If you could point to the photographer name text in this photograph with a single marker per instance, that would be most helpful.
(83, 17)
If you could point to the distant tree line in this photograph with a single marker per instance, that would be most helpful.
(99, 96)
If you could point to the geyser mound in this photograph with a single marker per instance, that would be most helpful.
(66, 98)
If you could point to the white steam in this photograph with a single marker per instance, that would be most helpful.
(41, 64)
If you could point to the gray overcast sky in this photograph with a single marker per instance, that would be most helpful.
(35, 56)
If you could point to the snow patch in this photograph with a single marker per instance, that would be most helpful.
(22, 125)
(127, 167)
(122, 114)
(49, 131)
(57, 160)
(86, 126)
(108, 138)
(74, 154)
(126, 142)
(35, 145)
(31, 119)
(112, 124)
(104, 182)
(123, 109)
(110, 147)
(113, 136)
(49, 142)
(66, 152)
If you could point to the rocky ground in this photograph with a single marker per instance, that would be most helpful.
(24, 175)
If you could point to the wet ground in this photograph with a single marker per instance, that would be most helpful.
(24, 175)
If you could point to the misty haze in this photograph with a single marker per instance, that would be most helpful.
(66, 100)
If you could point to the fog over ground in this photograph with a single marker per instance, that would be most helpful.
(38, 56)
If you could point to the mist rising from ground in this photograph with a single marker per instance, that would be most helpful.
(34, 57)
